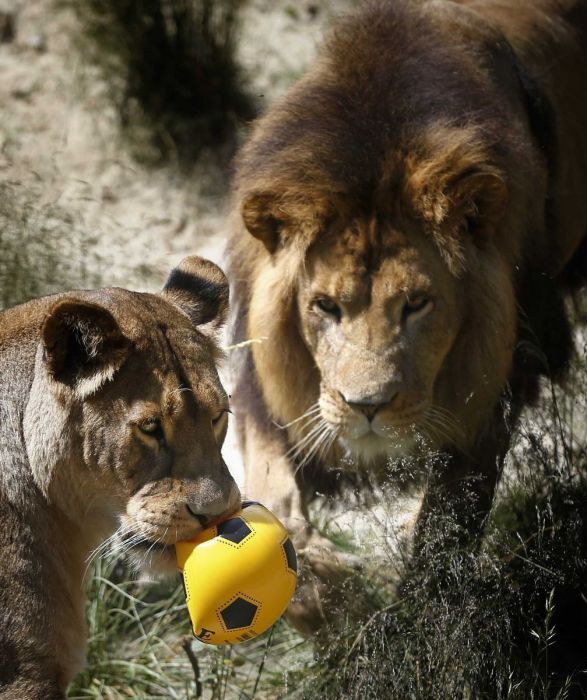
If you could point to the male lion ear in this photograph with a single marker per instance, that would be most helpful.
(480, 198)
(83, 345)
(261, 218)
(200, 289)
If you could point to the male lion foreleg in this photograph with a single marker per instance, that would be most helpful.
(269, 477)
(461, 489)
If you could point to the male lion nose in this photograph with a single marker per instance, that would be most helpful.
(370, 404)
(368, 409)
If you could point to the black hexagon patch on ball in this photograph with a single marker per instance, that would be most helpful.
(240, 613)
(290, 555)
(234, 530)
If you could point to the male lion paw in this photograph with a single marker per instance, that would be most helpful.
(325, 577)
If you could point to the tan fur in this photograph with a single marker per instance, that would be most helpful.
(436, 150)
(84, 377)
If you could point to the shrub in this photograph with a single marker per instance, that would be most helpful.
(507, 619)
(171, 69)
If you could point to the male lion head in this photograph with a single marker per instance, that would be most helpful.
(127, 414)
(389, 323)
(379, 315)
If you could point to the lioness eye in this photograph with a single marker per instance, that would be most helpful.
(327, 306)
(154, 429)
(218, 417)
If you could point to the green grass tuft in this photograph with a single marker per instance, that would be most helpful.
(141, 646)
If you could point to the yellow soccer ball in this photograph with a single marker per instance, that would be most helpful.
(239, 575)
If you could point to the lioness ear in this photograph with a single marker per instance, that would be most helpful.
(261, 218)
(200, 289)
(83, 345)
(479, 199)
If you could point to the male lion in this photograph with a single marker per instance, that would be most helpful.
(407, 220)
(111, 415)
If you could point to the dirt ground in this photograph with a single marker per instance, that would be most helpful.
(60, 140)
(59, 137)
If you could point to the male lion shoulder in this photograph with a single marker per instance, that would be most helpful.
(411, 210)
(111, 419)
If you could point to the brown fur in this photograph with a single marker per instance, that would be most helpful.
(112, 415)
(437, 146)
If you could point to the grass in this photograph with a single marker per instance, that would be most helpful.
(42, 249)
(45, 249)
(141, 646)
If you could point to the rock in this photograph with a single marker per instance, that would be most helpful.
(108, 194)
(37, 42)
(23, 90)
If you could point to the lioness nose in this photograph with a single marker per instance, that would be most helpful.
(200, 517)
(211, 504)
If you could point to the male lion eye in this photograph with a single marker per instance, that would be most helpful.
(327, 306)
(416, 304)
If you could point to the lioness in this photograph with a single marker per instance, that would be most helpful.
(407, 220)
(112, 416)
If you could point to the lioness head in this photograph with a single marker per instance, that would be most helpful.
(127, 414)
